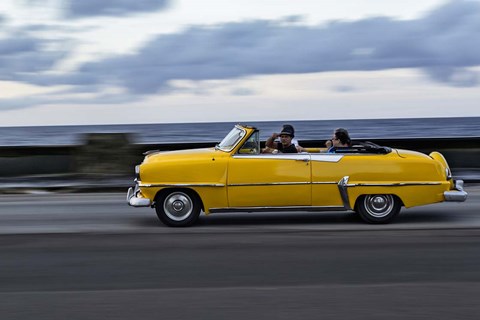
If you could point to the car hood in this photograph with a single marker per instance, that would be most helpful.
(160, 156)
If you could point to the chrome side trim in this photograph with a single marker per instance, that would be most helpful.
(266, 209)
(266, 184)
(276, 156)
(398, 184)
(217, 185)
(327, 157)
(325, 182)
(342, 187)
(153, 185)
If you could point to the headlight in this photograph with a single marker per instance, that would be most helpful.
(137, 173)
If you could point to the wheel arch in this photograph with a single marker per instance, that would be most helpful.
(378, 208)
(360, 196)
(190, 191)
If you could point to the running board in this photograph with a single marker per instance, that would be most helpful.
(277, 209)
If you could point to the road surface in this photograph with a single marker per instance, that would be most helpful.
(90, 256)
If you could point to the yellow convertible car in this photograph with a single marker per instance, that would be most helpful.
(373, 181)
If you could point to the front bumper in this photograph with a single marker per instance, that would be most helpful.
(458, 195)
(135, 201)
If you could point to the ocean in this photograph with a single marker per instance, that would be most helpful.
(214, 132)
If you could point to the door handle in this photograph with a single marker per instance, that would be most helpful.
(304, 160)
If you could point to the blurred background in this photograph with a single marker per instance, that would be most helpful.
(66, 62)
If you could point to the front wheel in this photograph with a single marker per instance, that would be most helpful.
(378, 208)
(178, 208)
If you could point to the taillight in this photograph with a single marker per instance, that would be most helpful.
(448, 173)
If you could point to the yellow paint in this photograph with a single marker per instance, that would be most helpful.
(242, 179)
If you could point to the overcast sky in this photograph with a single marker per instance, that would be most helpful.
(155, 61)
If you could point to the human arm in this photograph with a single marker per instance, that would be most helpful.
(328, 144)
(270, 143)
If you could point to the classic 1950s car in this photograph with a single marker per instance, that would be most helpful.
(373, 181)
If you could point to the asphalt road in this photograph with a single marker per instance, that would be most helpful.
(90, 256)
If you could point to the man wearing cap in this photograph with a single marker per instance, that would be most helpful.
(285, 145)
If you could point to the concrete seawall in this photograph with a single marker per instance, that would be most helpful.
(112, 156)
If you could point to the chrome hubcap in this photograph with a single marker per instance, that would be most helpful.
(379, 205)
(178, 206)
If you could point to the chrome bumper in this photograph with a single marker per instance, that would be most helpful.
(135, 201)
(458, 195)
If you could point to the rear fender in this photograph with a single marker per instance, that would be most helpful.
(437, 156)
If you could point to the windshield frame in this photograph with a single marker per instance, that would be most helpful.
(232, 139)
(255, 136)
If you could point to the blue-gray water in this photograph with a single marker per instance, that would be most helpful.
(211, 132)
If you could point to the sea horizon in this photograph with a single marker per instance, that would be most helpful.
(438, 127)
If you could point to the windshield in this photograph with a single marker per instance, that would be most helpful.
(231, 140)
(252, 145)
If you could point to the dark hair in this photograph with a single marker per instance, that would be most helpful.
(342, 135)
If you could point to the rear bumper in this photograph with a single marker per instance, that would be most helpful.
(458, 195)
(135, 201)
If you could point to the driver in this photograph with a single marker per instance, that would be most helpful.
(285, 145)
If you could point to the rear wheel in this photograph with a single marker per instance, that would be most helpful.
(378, 208)
(178, 208)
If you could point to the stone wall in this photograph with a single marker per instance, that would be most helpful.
(107, 154)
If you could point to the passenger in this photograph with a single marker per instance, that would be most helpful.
(275, 138)
(285, 145)
(340, 139)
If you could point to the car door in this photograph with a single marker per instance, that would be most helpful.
(328, 170)
(269, 180)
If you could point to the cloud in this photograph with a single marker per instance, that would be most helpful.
(242, 92)
(444, 44)
(457, 77)
(21, 55)
(445, 39)
(90, 8)
(18, 45)
(59, 99)
(343, 88)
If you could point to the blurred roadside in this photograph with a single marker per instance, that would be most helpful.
(105, 162)
(65, 183)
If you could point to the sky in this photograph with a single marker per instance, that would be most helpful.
(74, 62)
